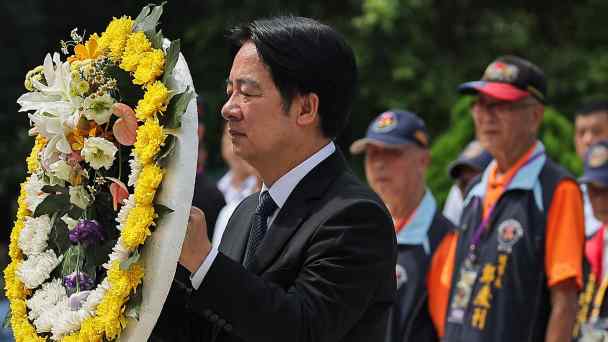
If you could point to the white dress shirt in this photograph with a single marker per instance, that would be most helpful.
(592, 224)
(454, 204)
(233, 194)
(279, 191)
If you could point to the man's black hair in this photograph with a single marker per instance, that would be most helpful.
(592, 107)
(305, 56)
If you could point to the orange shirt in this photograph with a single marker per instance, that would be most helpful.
(564, 241)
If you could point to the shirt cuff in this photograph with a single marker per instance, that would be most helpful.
(197, 277)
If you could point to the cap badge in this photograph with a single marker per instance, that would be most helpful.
(501, 72)
(598, 156)
(385, 123)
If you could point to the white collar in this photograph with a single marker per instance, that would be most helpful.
(282, 188)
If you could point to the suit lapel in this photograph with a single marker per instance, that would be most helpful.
(234, 239)
(296, 209)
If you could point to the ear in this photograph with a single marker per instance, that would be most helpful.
(309, 109)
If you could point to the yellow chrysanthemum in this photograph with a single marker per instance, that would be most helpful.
(137, 227)
(122, 282)
(32, 161)
(147, 183)
(115, 36)
(88, 50)
(150, 137)
(13, 286)
(137, 46)
(110, 316)
(150, 67)
(89, 332)
(155, 101)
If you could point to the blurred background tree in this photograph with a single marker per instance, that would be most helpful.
(412, 54)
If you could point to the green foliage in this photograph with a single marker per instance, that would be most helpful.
(556, 134)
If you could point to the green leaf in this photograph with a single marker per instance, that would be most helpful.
(72, 260)
(54, 189)
(171, 60)
(144, 13)
(162, 211)
(132, 259)
(167, 149)
(59, 237)
(133, 306)
(148, 21)
(177, 108)
(157, 39)
(104, 213)
(52, 204)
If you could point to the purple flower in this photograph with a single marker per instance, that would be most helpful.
(85, 282)
(86, 232)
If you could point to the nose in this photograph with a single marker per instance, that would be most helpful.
(231, 111)
(588, 138)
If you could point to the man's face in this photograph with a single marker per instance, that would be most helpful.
(465, 176)
(500, 125)
(394, 172)
(598, 196)
(589, 129)
(258, 125)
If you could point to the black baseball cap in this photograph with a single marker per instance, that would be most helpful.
(509, 78)
(473, 156)
(394, 128)
(596, 164)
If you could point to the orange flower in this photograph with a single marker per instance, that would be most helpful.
(87, 50)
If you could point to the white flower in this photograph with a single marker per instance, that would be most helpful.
(119, 252)
(67, 322)
(79, 197)
(70, 222)
(95, 297)
(76, 300)
(127, 205)
(34, 236)
(46, 320)
(98, 108)
(33, 192)
(61, 169)
(37, 268)
(45, 298)
(99, 152)
(135, 167)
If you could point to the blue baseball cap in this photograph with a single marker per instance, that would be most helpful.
(473, 156)
(394, 128)
(596, 164)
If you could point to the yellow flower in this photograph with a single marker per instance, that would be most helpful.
(115, 36)
(13, 286)
(32, 161)
(150, 137)
(122, 282)
(87, 50)
(147, 183)
(155, 100)
(137, 227)
(150, 67)
(110, 315)
(89, 332)
(137, 45)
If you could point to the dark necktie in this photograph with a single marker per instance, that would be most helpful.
(265, 209)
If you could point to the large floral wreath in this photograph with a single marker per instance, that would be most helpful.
(88, 204)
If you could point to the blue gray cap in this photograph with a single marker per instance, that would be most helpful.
(473, 156)
(394, 128)
(596, 164)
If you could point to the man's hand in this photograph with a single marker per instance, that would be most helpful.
(196, 245)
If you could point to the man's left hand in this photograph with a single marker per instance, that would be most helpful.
(196, 244)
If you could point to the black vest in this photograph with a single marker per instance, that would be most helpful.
(509, 299)
(409, 318)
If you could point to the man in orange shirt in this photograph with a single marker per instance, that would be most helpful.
(397, 156)
(518, 258)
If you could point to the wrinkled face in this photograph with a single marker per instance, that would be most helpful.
(258, 125)
(598, 195)
(500, 125)
(589, 129)
(394, 172)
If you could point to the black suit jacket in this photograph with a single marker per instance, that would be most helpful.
(324, 272)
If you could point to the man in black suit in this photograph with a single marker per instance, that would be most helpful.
(311, 257)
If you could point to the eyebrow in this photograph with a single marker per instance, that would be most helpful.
(246, 81)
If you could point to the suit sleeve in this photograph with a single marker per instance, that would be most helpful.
(347, 263)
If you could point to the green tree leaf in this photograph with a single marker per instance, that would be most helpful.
(177, 108)
(171, 59)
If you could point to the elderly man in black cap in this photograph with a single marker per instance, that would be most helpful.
(470, 163)
(592, 320)
(397, 156)
(518, 259)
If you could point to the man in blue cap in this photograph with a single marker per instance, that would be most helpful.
(518, 259)
(592, 320)
(397, 156)
(470, 163)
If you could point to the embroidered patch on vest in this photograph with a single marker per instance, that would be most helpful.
(509, 232)
(400, 275)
